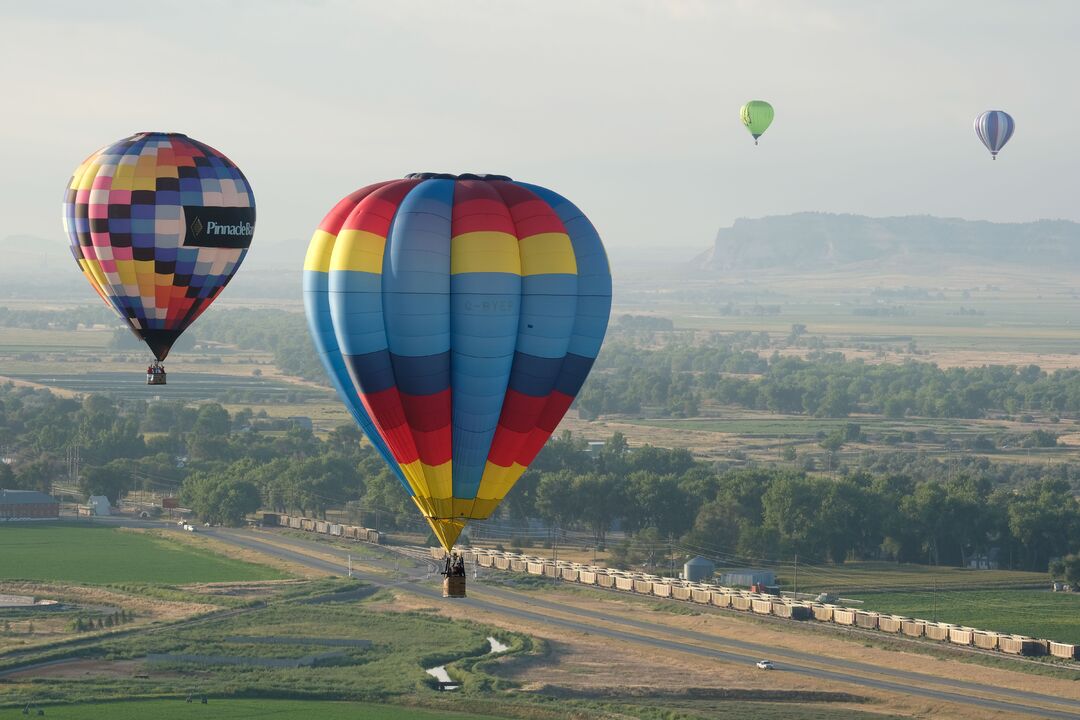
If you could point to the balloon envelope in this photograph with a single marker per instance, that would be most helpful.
(458, 316)
(994, 128)
(756, 115)
(158, 224)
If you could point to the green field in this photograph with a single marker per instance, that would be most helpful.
(243, 710)
(95, 554)
(792, 426)
(1038, 613)
(880, 577)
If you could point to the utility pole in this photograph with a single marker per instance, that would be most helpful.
(350, 564)
(796, 576)
(555, 550)
(935, 598)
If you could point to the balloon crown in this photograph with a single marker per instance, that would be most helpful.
(451, 176)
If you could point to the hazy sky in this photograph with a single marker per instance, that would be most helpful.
(630, 108)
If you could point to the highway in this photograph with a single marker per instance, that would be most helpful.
(599, 623)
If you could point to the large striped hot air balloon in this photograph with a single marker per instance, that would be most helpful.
(158, 224)
(994, 128)
(458, 317)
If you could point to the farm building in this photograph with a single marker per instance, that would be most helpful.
(698, 569)
(27, 505)
(985, 561)
(746, 577)
(99, 505)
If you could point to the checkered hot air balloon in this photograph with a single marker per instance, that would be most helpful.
(458, 317)
(994, 128)
(159, 223)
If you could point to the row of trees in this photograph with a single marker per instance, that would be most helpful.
(890, 506)
(646, 365)
(676, 378)
(769, 513)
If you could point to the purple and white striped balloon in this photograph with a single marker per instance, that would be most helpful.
(994, 128)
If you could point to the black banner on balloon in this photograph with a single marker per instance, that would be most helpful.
(219, 227)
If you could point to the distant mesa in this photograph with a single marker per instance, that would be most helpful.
(807, 241)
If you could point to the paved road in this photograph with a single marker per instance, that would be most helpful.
(539, 610)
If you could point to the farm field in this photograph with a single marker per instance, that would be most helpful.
(90, 554)
(245, 710)
(189, 387)
(886, 577)
(1038, 613)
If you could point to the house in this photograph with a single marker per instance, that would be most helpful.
(301, 421)
(27, 505)
(99, 505)
(985, 561)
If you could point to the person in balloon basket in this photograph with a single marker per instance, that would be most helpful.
(454, 566)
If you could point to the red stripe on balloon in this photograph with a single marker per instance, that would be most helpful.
(520, 411)
(557, 405)
(434, 448)
(385, 410)
(427, 413)
(531, 215)
(479, 208)
(505, 446)
(336, 218)
(375, 212)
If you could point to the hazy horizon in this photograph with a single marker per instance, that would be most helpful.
(630, 109)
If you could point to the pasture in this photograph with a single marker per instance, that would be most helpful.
(1038, 613)
(887, 577)
(83, 553)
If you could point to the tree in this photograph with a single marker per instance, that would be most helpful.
(220, 500)
(1067, 569)
(37, 475)
(599, 499)
(109, 480)
(555, 498)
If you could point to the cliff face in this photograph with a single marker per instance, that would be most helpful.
(819, 240)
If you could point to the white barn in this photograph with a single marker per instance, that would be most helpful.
(99, 505)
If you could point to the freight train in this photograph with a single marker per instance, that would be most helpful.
(714, 595)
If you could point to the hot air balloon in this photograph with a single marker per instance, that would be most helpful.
(994, 128)
(756, 115)
(159, 223)
(458, 316)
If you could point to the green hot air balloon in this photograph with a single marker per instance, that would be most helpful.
(756, 115)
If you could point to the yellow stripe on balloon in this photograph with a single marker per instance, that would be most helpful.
(547, 253)
(319, 251)
(414, 475)
(485, 251)
(439, 481)
(497, 480)
(358, 250)
(476, 508)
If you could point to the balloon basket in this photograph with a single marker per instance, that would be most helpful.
(155, 374)
(453, 586)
